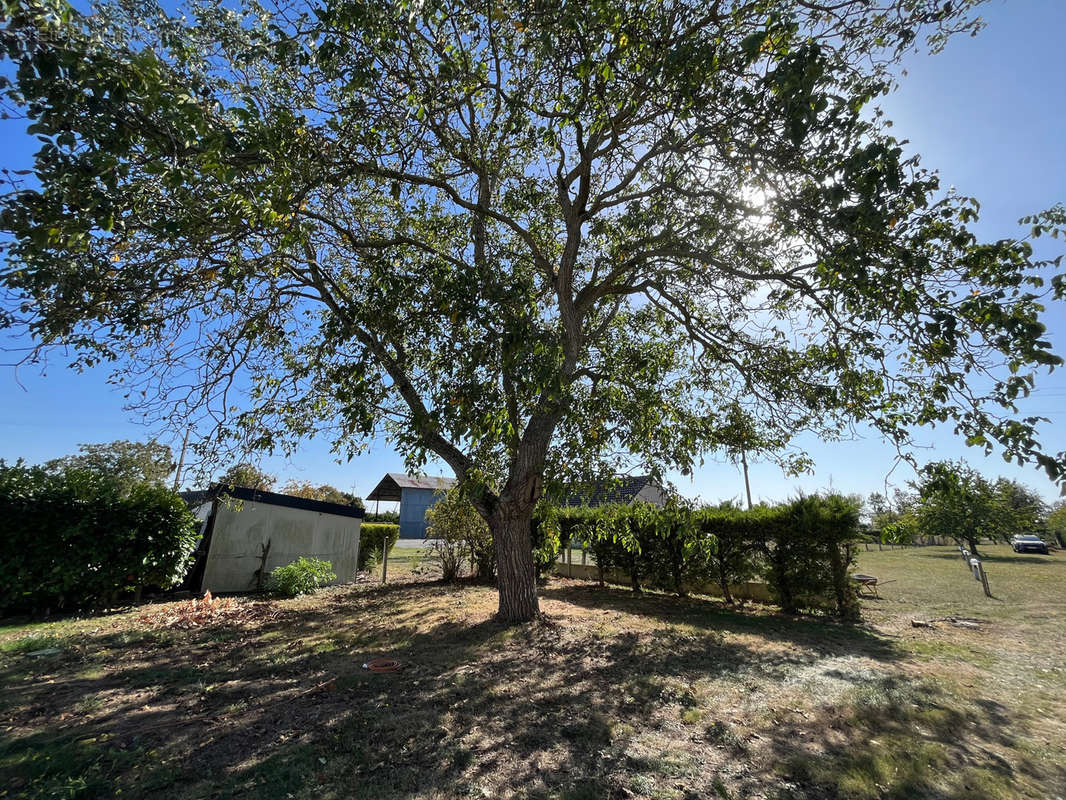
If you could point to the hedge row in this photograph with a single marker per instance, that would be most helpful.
(372, 537)
(77, 539)
(803, 549)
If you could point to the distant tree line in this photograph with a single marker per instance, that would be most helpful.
(249, 476)
(153, 463)
(125, 461)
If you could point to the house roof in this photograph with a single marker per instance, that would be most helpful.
(621, 489)
(197, 498)
(390, 488)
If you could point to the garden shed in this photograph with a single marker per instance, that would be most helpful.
(415, 494)
(247, 533)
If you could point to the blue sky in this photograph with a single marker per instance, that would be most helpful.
(989, 113)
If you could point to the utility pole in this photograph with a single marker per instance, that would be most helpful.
(744, 464)
(181, 460)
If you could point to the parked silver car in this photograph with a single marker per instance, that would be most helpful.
(1028, 544)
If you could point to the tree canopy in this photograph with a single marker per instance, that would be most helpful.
(1056, 520)
(126, 461)
(954, 501)
(247, 476)
(324, 492)
(535, 241)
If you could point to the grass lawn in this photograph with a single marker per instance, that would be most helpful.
(615, 696)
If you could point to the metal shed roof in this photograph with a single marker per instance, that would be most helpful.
(196, 498)
(392, 485)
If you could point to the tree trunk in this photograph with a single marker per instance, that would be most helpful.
(517, 575)
(510, 519)
(723, 581)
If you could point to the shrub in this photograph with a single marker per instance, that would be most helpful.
(674, 548)
(460, 532)
(552, 527)
(660, 548)
(809, 546)
(614, 536)
(544, 541)
(451, 554)
(76, 539)
(375, 539)
(302, 576)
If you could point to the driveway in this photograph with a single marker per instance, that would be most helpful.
(412, 544)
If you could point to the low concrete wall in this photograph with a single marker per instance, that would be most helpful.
(757, 592)
(240, 532)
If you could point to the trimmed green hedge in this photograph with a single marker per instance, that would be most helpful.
(731, 559)
(803, 549)
(809, 550)
(372, 537)
(78, 539)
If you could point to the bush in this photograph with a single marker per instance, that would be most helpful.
(809, 547)
(76, 539)
(659, 548)
(545, 538)
(451, 554)
(375, 539)
(675, 549)
(460, 533)
(302, 576)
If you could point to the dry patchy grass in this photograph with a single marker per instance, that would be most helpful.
(613, 696)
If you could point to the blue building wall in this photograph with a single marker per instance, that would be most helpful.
(413, 506)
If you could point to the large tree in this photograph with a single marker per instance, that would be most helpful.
(535, 241)
(129, 462)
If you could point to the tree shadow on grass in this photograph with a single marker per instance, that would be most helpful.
(899, 739)
(1012, 558)
(285, 709)
(824, 635)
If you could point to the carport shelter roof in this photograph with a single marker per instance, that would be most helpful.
(391, 487)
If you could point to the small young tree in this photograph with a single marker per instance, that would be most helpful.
(460, 533)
